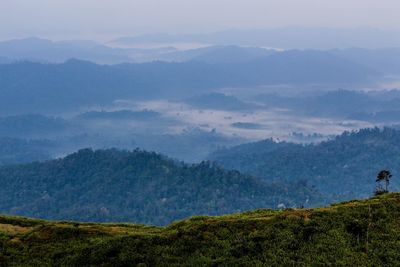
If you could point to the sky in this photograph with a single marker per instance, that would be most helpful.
(96, 19)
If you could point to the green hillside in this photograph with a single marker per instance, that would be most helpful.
(355, 233)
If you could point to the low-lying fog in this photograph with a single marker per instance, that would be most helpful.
(194, 102)
(206, 122)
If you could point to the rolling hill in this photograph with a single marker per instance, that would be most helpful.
(356, 233)
(137, 186)
(342, 168)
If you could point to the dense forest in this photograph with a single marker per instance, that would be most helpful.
(356, 233)
(341, 168)
(137, 186)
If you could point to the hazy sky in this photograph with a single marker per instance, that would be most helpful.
(106, 18)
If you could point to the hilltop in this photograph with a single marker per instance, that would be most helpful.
(355, 233)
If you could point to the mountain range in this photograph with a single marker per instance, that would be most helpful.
(284, 38)
(42, 88)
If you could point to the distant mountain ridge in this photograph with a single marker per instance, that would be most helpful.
(34, 87)
(284, 38)
(43, 50)
(384, 59)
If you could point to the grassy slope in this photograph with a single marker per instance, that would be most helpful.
(356, 233)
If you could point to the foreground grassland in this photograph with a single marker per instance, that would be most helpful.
(356, 233)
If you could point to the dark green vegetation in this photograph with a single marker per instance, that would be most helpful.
(112, 185)
(356, 233)
(342, 168)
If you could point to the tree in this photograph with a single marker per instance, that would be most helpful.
(383, 175)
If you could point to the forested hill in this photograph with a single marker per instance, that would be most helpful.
(137, 186)
(342, 168)
(356, 233)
